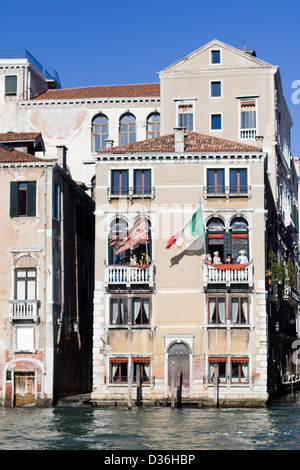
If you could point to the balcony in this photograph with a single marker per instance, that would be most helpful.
(131, 192)
(227, 191)
(23, 310)
(228, 274)
(129, 276)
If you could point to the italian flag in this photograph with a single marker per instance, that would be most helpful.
(193, 228)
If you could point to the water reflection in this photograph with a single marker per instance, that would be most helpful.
(275, 427)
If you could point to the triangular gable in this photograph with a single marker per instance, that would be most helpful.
(199, 59)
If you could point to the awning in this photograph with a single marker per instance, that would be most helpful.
(119, 359)
(141, 359)
(239, 359)
(217, 359)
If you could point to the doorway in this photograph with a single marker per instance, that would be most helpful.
(24, 388)
(179, 365)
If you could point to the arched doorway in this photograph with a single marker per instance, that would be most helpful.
(179, 364)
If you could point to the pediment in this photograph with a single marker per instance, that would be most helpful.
(231, 58)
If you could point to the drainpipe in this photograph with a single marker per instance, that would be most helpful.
(45, 281)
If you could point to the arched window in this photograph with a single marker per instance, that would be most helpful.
(215, 238)
(117, 227)
(153, 126)
(99, 132)
(143, 251)
(127, 129)
(239, 237)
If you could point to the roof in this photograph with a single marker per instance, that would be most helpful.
(19, 136)
(105, 91)
(15, 156)
(193, 142)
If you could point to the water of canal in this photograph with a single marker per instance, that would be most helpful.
(276, 427)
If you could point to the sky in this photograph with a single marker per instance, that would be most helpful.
(107, 42)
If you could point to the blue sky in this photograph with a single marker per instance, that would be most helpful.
(103, 42)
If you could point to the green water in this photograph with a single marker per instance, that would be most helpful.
(276, 427)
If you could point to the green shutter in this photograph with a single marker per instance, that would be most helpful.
(227, 244)
(13, 199)
(31, 201)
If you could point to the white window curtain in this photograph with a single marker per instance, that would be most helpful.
(234, 310)
(114, 368)
(114, 311)
(146, 308)
(244, 310)
(221, 308)
(136, 309)
(212, 309)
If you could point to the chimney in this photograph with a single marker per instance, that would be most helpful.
(109, 143)
(259, 141)
(62, 156)
(179, 139)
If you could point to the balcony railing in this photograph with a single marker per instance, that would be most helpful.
(131, 192)
(227, 191)
(128, 275)
(247, 133)
(23, 310)
(227, 274)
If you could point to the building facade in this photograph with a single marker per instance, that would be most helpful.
(177, 310)
(46, 289)
(219, 91)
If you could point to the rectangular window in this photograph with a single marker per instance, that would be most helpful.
(142, 182)
(215, 57)
(215, 90)
(216, 310)
(125, 311)
(215, 181)
(144, 369)
(119, 311)
(118, 370)
(140, 311)
(219, 365)
(248, 119)
(216, 122)
(25, 284)
(238, 181)
(56, 201)
(11, 83)
(239, 310)
(23, 199)
(239, 370)
(186, 116)
(119, 182)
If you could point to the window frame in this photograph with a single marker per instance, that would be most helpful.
(240, 310)
(123, 188)
(127, 132)
(248, 133)
(130, 310)
(216, 115)
(215, 82)
(238, 186)
(188, 103)
(212, 61)
(101, 134)
(215, 186)
(155, 124)
(25, 279)
(10, 94)
(144, 190)
(237, 380)
(217, 312)
(31, 198)
(121, 376)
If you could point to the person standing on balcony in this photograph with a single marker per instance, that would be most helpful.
(242, 258)
(217, 259)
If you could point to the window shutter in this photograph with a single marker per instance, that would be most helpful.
(31, 208)
(13, 199)
(227, 244)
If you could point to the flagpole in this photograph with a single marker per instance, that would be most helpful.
(143, 208)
